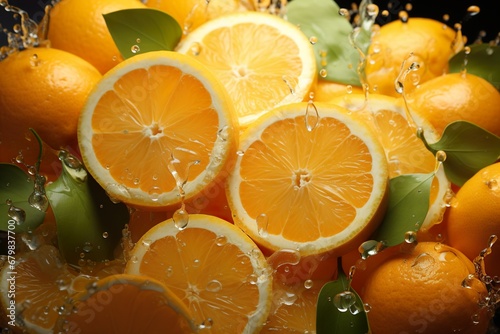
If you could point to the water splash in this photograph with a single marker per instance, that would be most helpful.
(23, 35)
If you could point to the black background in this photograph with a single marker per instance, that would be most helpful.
(488, 19)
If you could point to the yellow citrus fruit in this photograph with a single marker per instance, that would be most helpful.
(473, 217)
(420, 291)
(37, 282)
(457, 96)
(157, 130)
(192, 13)
(126, 303)
(405, 152)
(310, 182)
(78, 26)
(327, 90)
(213, 267)
(429, 40)
(262, 60)
(44, 89)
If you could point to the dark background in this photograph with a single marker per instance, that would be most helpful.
(488, 19)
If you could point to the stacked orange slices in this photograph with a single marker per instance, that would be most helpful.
(405, 152)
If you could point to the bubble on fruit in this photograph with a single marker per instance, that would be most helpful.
(311, 117)
(214, 286)
(181, 218)
(221, 240)
(284, 257)
(206, 324)
(262, 221)
(290, 82)
(195, 48)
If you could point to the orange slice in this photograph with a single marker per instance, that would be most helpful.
(37, 284)
(126, 304)
(405, 152)
(308, 182)
(213, 267)
(262, 60)
(157, 128)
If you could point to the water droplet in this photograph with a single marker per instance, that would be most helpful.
(135, 48)
(221, 240)
(411, 237)
(206, 324)
(196, 263)
(195, 49)
(308, 283)
(214, 286)
(262, 225)
(169, 271)
(344, 12)
(323, 73)
(313, 40)
(15, 213)
(367, 307)
(147, 242)
(154, 193)
(441, 156)
(138, 40)
(87, 247)
(344, 300)
(312, 116)
(370, 248)
(105, 235)
(34, 61)
(181, 218)
(423, 261)
(492, 184)
(240, 153)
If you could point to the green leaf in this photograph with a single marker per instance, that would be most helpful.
(482, 61)
(340, 309)
(409, 196)
(16, 188)
(468, 148)
(87, 220)
(321, 18)
(146, 28)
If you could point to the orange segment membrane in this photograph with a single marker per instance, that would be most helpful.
(150, 120)
(299, 188)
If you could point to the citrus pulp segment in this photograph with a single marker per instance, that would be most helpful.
(126, 304)
(158, 128)
(262, 60)
(405, 152)
(213, 267)
(308, 188)
(39, 279)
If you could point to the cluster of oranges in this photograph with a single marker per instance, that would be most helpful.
(247, 175)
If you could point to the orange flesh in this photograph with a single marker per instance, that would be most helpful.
(150, 120)
(125, 308)
(316, 179)
(213, 279)
(406, 153)
(248, 66)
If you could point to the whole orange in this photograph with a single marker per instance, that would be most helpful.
(473, 217)
(429, 40)
(420, 291)
(78, 26)
(457, 96)
(44, 89)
